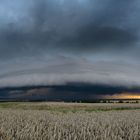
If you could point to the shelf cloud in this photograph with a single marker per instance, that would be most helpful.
(51, 42)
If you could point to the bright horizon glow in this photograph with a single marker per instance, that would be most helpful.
(123, 96)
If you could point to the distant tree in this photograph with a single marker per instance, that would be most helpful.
(104, 101)
(120, 101)
(137, 101)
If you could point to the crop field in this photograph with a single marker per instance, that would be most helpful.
(69, 121)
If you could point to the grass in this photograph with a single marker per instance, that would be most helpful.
(68, 107)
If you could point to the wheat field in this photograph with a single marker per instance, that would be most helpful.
(32, 123)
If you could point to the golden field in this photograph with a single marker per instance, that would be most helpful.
(69, 121)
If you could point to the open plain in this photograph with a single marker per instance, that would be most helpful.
(69, 121)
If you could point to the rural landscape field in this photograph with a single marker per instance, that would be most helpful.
(69, 69)
(69, 121)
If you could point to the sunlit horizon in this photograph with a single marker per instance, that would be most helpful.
(123, 96)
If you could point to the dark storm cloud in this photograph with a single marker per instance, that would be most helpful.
(77, 91)
(108, 29)
(70, 91)
(33, 34)
(71, 26)
(97, 38)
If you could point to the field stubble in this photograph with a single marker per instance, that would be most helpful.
(21, 124)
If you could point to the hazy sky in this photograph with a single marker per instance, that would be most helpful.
(55, 42)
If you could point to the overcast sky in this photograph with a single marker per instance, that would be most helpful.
(54, 42)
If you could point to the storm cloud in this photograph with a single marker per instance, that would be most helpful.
(69, 26)
(68, 92)
(54, 42)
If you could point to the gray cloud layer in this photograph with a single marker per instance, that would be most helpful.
(63, 70)
(50, 42)
(73, 26)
